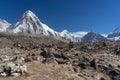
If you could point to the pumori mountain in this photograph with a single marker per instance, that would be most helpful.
(115, 35)
(93, 37)
(30, 23)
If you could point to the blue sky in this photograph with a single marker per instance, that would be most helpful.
(101, 16)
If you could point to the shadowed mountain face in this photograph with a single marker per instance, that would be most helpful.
(93, 37)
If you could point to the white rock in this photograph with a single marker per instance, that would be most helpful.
(23, 68)
(3, 74)
(15, 74)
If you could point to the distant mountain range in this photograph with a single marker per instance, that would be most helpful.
(29, 23)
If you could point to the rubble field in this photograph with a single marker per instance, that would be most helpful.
(47, 58)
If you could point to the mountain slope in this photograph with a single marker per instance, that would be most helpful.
(115, 35)
(68, 36)
(29, 23)
(79, 35)
(3, 25)
(93, 37)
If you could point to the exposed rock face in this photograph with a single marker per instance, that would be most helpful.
(93, 64)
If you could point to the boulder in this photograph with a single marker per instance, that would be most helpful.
(102, 78)
(61, 61)
(3, 74)
(82, 65)
(15, 74)
(22, 69)
(46, 54)
(93, 64)
(4, 58)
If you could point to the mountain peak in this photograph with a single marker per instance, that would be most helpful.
(93, 37)
(79, 34)
(92, 33)
(115, 33)
(3, 25)
(29, 13)
(4, 21)
(28, 23)
(65, 31)
(117, 29)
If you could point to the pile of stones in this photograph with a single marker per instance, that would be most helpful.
(12, 66)
(12, 69)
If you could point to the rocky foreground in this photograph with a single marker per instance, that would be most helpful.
(47, 58)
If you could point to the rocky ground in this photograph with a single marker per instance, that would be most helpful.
(46, 58)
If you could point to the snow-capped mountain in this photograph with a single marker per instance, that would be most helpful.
(115, 35)
(3, 25)
(93, 37)
(68, 36)
(30, 23)
(105, 35)
(79, 35)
